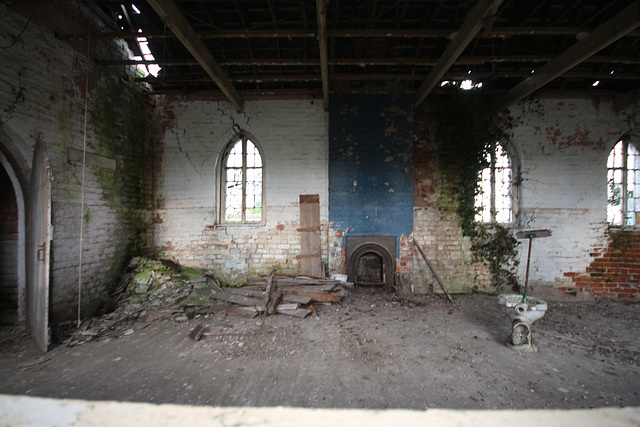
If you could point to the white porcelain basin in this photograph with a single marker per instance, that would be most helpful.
(528, 312)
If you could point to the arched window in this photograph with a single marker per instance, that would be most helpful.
(494, 200)
(242, 178)
(623, 189)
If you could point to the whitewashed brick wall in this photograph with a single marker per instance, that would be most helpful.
(563, 145)
(42, 88)
(294, 141)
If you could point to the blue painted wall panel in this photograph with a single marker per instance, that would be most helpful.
(371, 164)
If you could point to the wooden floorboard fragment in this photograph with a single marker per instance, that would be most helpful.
(300, 312)
(237, 299)
(315, 296)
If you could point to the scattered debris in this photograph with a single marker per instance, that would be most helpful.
(196, 333)
(150, 290)
(162, 289)
(285, 294)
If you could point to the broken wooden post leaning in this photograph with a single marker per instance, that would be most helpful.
(435, 274)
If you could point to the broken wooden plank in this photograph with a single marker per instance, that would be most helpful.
(236, 299)
(196, 333)
(318, 288)
(288, 306)
(256, 293)
(311, 288)
(248, 312)
(271, 295)
(252, 293)
(315, 296)
(270, 307)
(298, 299)
(435, 274)
(300, 312)
(285, 279)
(213, 281)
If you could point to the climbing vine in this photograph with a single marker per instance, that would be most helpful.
(464, 126)
(495, 246)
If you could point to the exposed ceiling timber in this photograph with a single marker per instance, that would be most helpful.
(321, 7)
(175, 20)
(471, 60)
(273, 46)
(470, 28)
(615, 28)
(374, 33)
(384, 77)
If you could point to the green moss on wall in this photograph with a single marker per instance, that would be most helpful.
(120, 119)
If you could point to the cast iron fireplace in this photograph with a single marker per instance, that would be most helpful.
(371, 260)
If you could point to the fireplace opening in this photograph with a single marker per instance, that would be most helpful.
(370, 269)
(371, 260)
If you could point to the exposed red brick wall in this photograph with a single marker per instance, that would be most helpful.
(614, 273)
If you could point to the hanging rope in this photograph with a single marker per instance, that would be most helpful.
(84, 158)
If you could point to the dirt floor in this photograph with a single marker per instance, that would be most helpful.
(373, 350)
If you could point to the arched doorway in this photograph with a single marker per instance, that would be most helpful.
(10, 245)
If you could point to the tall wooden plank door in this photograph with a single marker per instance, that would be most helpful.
(38, 248)
(310, 259)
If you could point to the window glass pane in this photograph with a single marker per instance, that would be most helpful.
(243, 183)
(233, 195)
(500, 181)
(633, 199)
(618, 155)
(503, 193)
(623, 187)
(632, 157)
(253, 155)
(502, 160)
(483, 198)
(235, 156)
(254, 195)
(612, 155)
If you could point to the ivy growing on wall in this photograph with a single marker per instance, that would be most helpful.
(463, 124)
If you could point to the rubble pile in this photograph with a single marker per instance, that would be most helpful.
(151, 290)
(162, 289)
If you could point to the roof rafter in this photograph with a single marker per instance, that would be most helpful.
(470, 28)
(321, 6)
(169, 13)
(615, 28)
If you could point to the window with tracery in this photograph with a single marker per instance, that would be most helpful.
(494, 201)
(623, 185)
(243, 196)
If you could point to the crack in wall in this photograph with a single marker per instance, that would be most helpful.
(174, 130)
(18, 98)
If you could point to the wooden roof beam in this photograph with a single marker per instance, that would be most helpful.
(321, 6)
(176, 21)
(470, 28)
(615, 28)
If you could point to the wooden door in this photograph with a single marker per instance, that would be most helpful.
(38, 248)
(310, 261)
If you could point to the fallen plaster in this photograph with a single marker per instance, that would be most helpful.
(35, 411)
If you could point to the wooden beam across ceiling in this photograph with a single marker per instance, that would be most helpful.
(501, 32)
(470, 28)
(176, 21)
(321, 6)
(621, 24)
